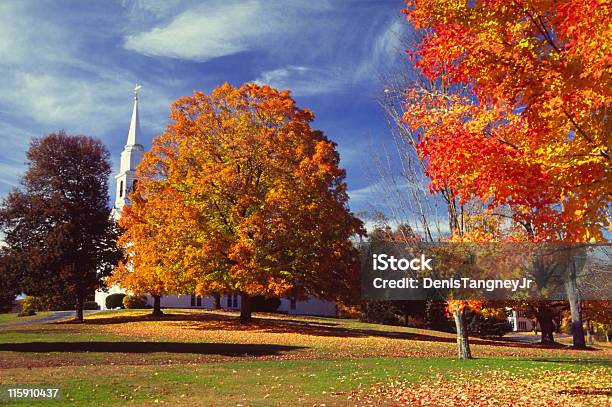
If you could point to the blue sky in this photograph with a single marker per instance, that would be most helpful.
(72, 65)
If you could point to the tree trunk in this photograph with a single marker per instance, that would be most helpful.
(573, 296)
(545, 318)
(157, 306)
(217, 301)
(463, 344)
(245, 308)
(79, 308)
(589, 332)
(607, 336)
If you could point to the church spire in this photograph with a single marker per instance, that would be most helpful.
(134, 132)
(130, 158)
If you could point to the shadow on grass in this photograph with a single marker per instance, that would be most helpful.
(197, 317)
(210, 321)
(283, 326)
(123, 319)
(231, 349)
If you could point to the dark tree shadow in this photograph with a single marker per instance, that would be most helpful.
(123, 319)
(277, 325)
(209, 321)
(231, 349)
(198, 317)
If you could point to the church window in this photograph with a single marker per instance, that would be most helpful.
(232, 301)
(134, 185)
(120, 189)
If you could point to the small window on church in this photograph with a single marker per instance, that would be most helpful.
(120, 189)
(134, 185)
(232, 301)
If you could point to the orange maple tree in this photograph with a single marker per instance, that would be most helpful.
(532, 133)
(241, 195)
(153, 224)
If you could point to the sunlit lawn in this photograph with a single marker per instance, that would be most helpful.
(210, 358)
(12, 318)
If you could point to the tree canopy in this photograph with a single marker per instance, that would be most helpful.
(59, 234)
(533, 132)
(521, 119)
(240, 195)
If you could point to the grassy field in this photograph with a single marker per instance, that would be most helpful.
(209, 358)
(14, 319)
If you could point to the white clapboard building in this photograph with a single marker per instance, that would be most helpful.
(520, 322)
(125, 180)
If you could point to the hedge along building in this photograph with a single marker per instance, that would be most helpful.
(125, 180)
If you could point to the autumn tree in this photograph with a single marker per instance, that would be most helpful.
(8, 283)
(240, 195)
(401, 175)
(533, 134)
(390, 311)
(57, 225)
(149, 221)
(598, 316)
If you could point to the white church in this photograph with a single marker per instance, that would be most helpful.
(130, 158)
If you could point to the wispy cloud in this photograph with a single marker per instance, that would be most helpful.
(205, 32)
(371, 58)
(27, 39)
(385, 49)
(327, 39)
(88, 105)
(220, 28)
(303, 80)
(50, 81)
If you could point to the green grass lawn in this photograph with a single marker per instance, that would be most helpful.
(306, 382)
(12, 318)
(208, 358)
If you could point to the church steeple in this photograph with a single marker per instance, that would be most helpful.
(134, 132)
(130, 158)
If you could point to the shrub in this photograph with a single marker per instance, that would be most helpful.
(481, 326)
(29, 306)
(27, 313)
(114, 301)
(494, 327)
(55, 302)
(348, 311)
(91, 305)
(135, 302)
(395, 312)
(381, 312)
